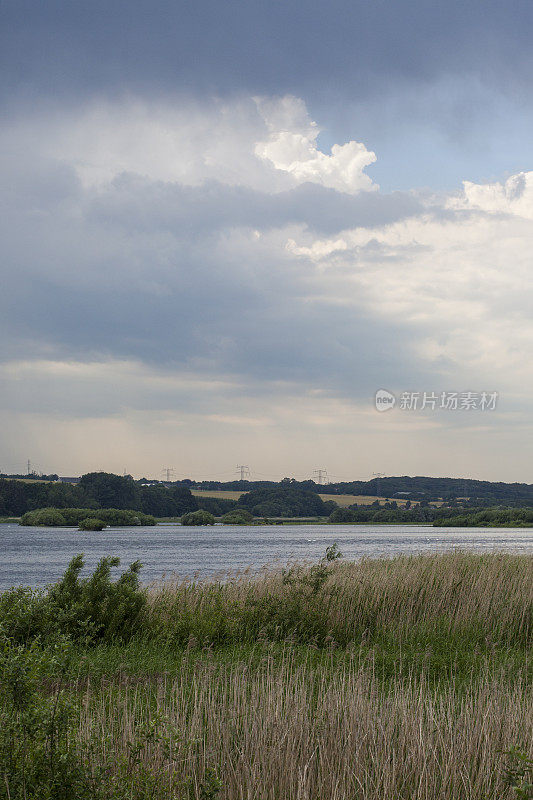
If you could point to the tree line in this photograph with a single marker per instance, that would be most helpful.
(417, 488)
(96, 490)
(101, 490)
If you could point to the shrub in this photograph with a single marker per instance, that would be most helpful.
(92, 524)
(120, 516)
(91, 609)
(345, 515)
(52, 747)
(96, 608)
(25, 614)
(49, 517)
(39, 756)
(73, 516)
(518, 773)
(198, 518)
(237, 517)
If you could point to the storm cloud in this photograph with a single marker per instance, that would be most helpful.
(196, 263)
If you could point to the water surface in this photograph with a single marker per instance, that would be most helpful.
(39, 556)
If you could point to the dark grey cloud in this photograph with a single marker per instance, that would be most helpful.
(142, 270)
(305, 287)
(344, 47)
(141, 204)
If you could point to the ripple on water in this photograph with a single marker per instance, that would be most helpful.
(39, 556)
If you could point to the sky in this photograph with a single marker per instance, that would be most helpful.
(226, 226)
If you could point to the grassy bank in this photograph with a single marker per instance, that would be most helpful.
(403, 679)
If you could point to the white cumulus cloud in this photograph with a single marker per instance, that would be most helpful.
(514, 196)
(292, 148)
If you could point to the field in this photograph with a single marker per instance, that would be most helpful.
(342, 500)
(345, 500)
(402, 679)
(221, 494)
(28, 480)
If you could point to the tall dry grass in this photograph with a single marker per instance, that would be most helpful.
(297, 728)
(401, 679)
(491, 596)
(283, 730)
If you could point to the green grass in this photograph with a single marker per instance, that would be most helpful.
(401, 679)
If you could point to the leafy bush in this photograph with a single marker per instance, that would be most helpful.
(518, 773)
(91, 609)
(491, 518)
(47, 753)
(238, 517)
(198, 518)
(120, 516)
(25, 614)
(92, 524)
(345, 515)
(44, 516)
(73, 516)
(95, 607)
(39, 757)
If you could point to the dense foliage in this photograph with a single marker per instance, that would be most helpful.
(96, 490)
(328, 600)
(240, 516)
(491, 518)
(73, 516)
(92, 524)
(392, 514)
(215, 505)
(198, 518)
(92, 609)
(414, 488)
(173, 499)
(284, 501)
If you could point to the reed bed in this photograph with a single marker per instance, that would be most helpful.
(489, 596)
(283, 730)
(391, 679)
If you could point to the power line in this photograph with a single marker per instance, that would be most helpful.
(168, 471)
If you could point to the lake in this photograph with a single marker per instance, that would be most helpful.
(38, 556)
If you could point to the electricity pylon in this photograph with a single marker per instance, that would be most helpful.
(244, 471)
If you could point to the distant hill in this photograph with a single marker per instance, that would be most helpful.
(404, 487)
(173, 498)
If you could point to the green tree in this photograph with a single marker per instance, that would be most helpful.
(111, 491)
(198, 518)
(238, 517)
(285, 500)
(92, 524)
